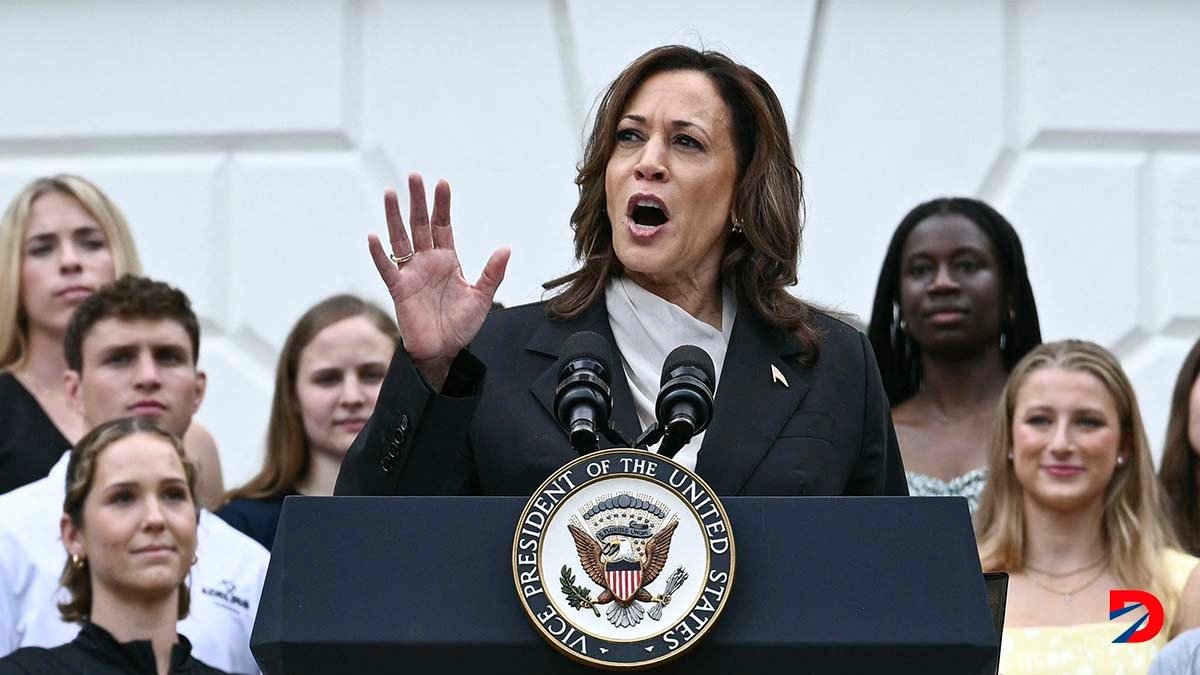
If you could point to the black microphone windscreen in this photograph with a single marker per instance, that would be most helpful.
(586, 344)
(688, 355)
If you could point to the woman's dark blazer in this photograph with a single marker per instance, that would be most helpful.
(827, 430)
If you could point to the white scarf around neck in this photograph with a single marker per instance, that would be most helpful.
(646, 329)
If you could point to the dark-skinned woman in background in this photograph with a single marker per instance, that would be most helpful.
(953, 312)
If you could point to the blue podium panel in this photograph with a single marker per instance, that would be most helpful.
(414, 584)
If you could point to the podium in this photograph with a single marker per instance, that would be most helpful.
(823, 585)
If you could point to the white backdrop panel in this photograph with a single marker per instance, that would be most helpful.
(1110, 66)
(140, 69)
(906, 105)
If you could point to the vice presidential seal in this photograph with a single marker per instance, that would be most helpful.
(623, 558)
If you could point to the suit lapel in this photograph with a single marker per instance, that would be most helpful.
(751, 406)
(548, 340)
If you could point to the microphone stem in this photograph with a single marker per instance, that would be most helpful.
(583, 434)
(670, 446)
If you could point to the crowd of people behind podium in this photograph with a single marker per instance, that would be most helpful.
(120, 547)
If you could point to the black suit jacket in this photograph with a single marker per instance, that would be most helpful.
(828, 432)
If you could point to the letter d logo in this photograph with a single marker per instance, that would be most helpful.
(1146, 627)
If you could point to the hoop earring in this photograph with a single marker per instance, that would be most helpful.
(898, 335)
(1004, 325)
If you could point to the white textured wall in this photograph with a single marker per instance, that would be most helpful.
(249, 143)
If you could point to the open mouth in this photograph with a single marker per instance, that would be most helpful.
(647, 211)
(649, 215)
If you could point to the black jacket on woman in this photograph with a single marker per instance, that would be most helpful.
(823, 429)
(96, 652)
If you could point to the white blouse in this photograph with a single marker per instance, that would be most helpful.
(646, 328)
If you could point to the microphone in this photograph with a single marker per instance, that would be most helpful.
(685, 399)
(582, 400)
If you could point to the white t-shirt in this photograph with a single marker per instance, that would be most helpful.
(646, 328)
(226, 580)
(1181, 656)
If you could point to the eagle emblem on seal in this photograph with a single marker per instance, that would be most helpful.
(623, 546)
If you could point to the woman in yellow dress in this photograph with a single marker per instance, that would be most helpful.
(1073, 509)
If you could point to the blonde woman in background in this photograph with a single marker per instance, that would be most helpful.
(1072, 510)
(61, 238)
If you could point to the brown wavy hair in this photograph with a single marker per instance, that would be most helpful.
(81, 471)
(768, 201)
(1135, 530)
(287, 454)
(1180, 470)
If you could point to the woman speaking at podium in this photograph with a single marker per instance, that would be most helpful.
(687, 231)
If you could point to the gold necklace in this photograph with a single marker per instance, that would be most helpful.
(1059, 575)
(1067, 594)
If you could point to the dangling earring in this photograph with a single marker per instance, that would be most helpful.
(737, 224)
(77, 562)
(899, 331)
(1003, 340)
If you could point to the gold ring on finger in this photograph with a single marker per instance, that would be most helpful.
(400, 260)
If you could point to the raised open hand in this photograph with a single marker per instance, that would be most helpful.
(439, 313)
